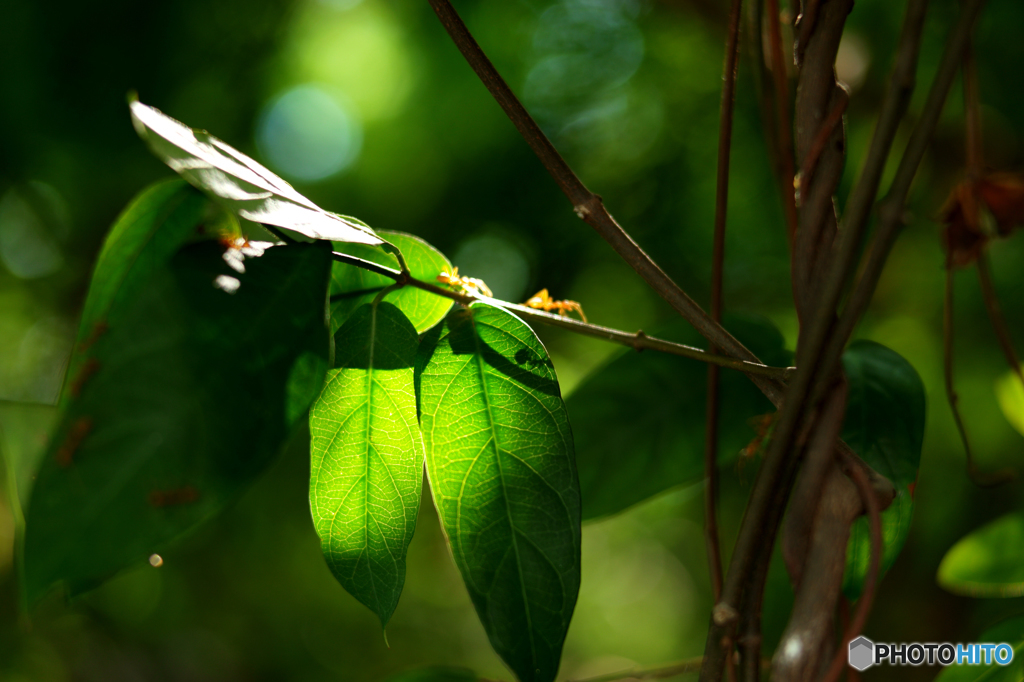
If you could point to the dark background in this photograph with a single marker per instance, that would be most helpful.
(375, 91)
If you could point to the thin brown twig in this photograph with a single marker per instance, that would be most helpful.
(979, 478)
(587, 205)
(995, 315)
(637, 340)
(975, 167)
(891, 208)
(867, 597)
(717, 264)
(972, 116)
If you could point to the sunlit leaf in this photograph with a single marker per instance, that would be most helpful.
(1009, 631)
(238, 182)
(638, 422)
(884, 424)
(367, 457)
(500, 463)
(180, 404)
(1010, 393)
(989, 562)
(352, 287)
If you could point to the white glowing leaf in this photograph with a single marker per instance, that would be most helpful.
(237, 181)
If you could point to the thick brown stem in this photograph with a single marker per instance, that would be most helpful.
(771, 490)
(870, 500)
(818, 96)
(807, 639)
(807, 492)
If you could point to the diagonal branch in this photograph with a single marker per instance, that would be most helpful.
(637, 341)
(587, 205)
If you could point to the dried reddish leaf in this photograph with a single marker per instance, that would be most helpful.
(978, 210)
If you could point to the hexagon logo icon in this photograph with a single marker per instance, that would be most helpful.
(862, 654)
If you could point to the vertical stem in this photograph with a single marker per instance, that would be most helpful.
(717, 263)
(979, 478)
(988, 294)
(972, 116)
(785, 133)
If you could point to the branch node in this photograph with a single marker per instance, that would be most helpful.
(724, 614)
(638, 344)
(582, 211)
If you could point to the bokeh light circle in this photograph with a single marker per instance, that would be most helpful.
(309, 134)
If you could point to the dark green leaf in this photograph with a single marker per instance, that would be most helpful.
(243, 186)
(435, 674)
(639, 421)
(885, 426)
(352, 287)
(1009, 631)
(989, 562)
(181, 403)
(144, 237)
(367, 457)
(500, 462)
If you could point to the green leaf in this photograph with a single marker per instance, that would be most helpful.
(243, 186)
(367, 457)
(989, 562)
(884, 424)
(352, 287)
(1010, 394)
(1010, 631)
(24, 435)
(638, 422)
(144, 237)
(182, 405)
(500, 463)
(435, 674)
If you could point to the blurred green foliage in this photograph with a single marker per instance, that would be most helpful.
(628, 89)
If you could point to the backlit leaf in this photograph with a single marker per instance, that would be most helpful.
(182, 405)
(638, 422)
(238, 182)
(989, 562)
(352, 287)
(367, 456)
(1010, 394)
(884, 424)
(500, 463)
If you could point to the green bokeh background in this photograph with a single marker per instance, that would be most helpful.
(628, 90)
